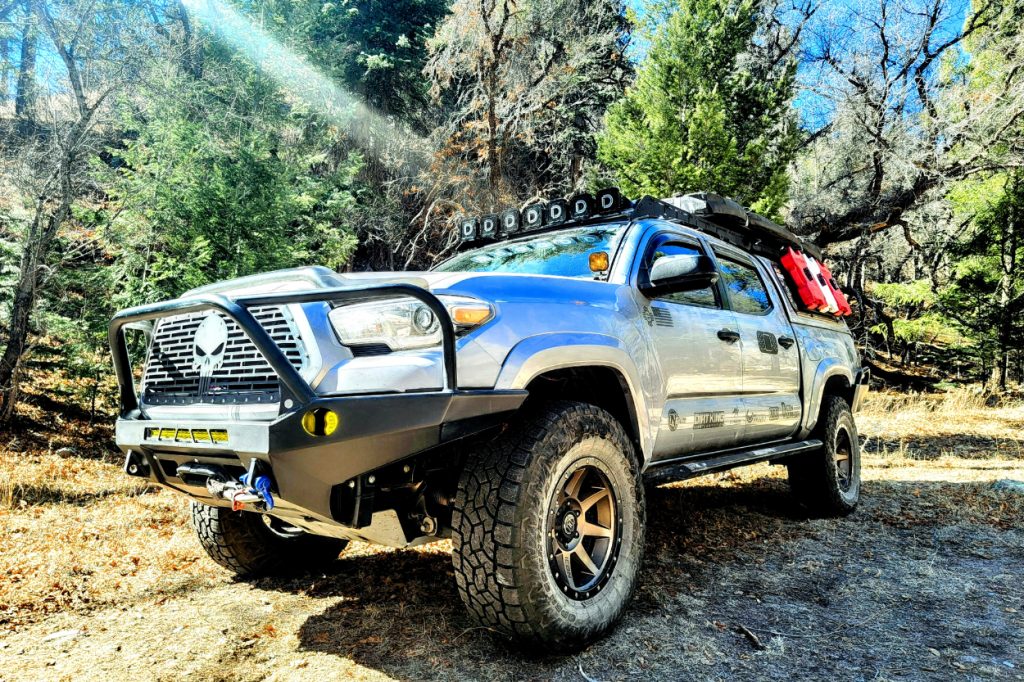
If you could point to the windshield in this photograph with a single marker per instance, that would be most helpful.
(565, 253)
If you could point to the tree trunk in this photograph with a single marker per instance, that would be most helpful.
(493, 171)
(26, 95)
(37, 244)
(5, 69)
(1008, 267)
(192, 57)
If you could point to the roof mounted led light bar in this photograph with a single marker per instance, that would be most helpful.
(537, 216)
(705, 211)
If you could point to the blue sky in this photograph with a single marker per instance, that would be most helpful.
(807, 102)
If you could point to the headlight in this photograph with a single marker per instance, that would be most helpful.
(404, 323)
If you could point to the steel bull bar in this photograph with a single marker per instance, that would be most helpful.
(322, 477)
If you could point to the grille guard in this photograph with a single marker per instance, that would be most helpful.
(292, 383)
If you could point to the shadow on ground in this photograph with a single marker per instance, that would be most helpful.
(868, 597)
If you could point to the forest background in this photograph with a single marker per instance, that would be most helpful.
(151, 146)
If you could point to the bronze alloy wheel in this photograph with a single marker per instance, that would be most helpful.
(583, 530)
(827, 480)
(548, 527)
(844, 459)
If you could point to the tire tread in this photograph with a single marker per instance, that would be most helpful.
(241, 543)
(485, 536)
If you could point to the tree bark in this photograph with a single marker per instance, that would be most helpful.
(26, 94)
(494, 172)
(1008, 275)
(5, 70)
(53, 207)
(192, 57)
(37, 244)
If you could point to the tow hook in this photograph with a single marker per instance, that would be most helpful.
(252, 488)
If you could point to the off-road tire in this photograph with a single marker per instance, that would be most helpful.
(242, 543)
(501, 529)
(815, 477)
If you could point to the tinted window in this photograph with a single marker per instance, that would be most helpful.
(702, 297)
(746, 290)
(565, 253)
(786, 286)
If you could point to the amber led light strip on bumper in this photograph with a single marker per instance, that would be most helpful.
(187, 435)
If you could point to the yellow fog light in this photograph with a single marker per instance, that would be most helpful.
(320, 422)
(201, 435)
(219, 435)
(167, 434)
(330, 423)
(598, 261)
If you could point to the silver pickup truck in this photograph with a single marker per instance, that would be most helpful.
(515, 399)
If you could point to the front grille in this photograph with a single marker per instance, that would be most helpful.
(244, 376)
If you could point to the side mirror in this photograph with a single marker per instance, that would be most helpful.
(671, 274)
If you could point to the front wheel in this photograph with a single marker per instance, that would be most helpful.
(827, 481)
(548, 527)
(251, 544)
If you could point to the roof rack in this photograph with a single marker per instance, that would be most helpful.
(705, 211)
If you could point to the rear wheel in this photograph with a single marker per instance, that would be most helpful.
(251, 544)
(827, 481)
(548, 527)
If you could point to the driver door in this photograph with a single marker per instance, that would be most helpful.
(701, 369)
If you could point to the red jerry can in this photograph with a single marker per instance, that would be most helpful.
(810, 293)
(844, 306)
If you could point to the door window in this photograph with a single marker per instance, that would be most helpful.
(702, 297)
(747, 292)
(785, 285)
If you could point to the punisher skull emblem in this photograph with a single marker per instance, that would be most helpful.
(208, 349)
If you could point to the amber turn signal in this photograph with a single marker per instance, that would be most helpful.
(599, 261)
(470, 315)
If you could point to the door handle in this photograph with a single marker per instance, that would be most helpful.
(786, 342)
(729, 336)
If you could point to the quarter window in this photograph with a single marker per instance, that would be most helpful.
(702, 297)
(784, 284)
(747, 292)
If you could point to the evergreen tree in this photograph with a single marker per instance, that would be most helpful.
(985, 292)
(711, 109)
(221, 178)
(375, 49)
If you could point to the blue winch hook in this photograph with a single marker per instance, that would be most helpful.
(259, 484)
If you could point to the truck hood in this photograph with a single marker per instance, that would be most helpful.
(302, 279)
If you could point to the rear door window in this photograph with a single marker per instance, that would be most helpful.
(747, 293)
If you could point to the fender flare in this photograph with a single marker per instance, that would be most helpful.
(536, 355)
(827, 368)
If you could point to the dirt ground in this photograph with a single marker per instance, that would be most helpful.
(102, 579)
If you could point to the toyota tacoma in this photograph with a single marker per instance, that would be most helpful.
(516, 399)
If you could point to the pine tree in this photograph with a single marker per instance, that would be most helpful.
(376, 49)
(711, 109)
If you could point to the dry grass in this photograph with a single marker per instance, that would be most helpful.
(77, 533)
(925, 564)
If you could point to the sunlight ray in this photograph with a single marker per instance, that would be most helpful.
(294, 74)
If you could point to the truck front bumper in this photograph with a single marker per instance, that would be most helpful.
(372, 432)
(317, 481)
